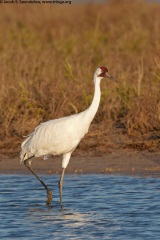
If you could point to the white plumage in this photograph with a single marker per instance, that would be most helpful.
(61, 136)
(55, 137)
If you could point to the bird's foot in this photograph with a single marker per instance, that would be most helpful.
(49, 197)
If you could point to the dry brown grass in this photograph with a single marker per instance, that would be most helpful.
(48, 55)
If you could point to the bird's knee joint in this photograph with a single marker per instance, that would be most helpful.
(27, 162)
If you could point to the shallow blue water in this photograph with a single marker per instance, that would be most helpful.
(95, 207)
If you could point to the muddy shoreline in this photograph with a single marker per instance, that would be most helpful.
(116, 161)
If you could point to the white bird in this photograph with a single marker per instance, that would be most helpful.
(61, 136)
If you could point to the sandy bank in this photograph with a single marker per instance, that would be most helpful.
(117, 161)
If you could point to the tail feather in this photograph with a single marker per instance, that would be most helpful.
(25, 153)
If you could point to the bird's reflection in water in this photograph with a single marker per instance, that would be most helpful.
(64, 216)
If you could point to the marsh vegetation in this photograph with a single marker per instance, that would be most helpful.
(48, 55)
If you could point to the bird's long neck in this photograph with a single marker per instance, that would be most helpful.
(91, 111)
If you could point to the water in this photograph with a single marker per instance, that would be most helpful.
(95, 207)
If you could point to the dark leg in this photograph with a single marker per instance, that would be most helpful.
(61, 185)
(49, 193)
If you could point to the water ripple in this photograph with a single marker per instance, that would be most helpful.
(95, 207)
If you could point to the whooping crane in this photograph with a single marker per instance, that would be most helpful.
(61, 136)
